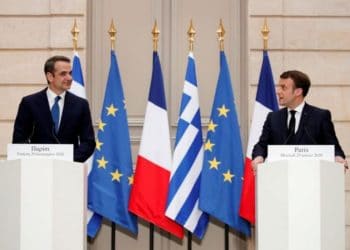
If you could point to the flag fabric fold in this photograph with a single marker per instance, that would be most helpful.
(265, 102)
(187, 162)
(150, 190)
(222, 173)
(77, 87)
(111, 177)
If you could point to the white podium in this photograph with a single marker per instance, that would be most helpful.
(42, 205)
(300, 205)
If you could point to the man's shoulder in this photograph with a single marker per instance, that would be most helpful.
(318, 110)
(278, 112)
(75, 100)
(74, 97)
(35, 96)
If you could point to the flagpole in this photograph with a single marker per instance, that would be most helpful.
(227, 230)
(75, 32)
(265, 32)
(191, 33)
(155, 37)
(221, 33)
(113, 236)
(151, 236)
(112, 34)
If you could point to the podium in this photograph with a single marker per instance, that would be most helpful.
(42, 205)
(300, 205)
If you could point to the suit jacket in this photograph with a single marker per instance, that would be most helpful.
(34, 124)
(315, 127)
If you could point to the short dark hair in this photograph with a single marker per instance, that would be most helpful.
(300, 79)
(50, 63)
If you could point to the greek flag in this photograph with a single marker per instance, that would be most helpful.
(188, 160)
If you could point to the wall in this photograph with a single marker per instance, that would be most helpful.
(32, 31)
(134, 51)
(314, 37)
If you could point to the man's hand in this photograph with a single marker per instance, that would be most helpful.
(257, 160)
(343, 162)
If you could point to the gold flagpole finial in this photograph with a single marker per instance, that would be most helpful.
(112, 33)
(221, 33)
(191, 33)
(155, 34)
(75, 32)
(265, 32)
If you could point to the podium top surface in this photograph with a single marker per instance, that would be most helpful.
(300, 152)
(40, 151)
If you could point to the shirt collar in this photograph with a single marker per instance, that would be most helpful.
(52, 95)
(299, 108)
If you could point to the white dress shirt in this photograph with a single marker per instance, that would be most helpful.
(299, 110)
(51, 98)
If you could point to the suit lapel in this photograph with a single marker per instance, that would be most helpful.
(283, 124)
(65, 112)
(305, 115)
(43, 103)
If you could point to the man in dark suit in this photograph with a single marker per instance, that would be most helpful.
(298, 122)
(55, 115)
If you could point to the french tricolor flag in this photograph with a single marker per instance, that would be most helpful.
(151, 180)
(265, 102)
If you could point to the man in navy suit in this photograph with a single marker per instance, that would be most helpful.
(71, 123)
(297, 123)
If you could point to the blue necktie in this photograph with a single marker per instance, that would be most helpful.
(55, 113)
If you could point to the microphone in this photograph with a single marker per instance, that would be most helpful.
(54, 135)
(308, 134)
(29, 139)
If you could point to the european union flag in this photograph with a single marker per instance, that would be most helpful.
(222, 172)
(111, 176)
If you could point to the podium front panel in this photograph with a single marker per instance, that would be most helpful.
(300, 206)
(43, 205)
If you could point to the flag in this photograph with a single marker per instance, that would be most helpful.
(150, 190)
(111, 176)
(222, 172)
(187, 163)
(265, 102)
(77, 87)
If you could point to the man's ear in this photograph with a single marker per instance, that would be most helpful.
(298, 91)
(49, 76)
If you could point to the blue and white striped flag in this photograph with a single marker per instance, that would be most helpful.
(77, 87)
(93, 220)
(187, 163)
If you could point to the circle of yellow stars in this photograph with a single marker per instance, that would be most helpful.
(102, 162)
(214, 163)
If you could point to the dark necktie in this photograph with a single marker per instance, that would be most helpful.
(55, 113)
(291, 127)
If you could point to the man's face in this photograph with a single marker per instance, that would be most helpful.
(288, 95)
(61, 79)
